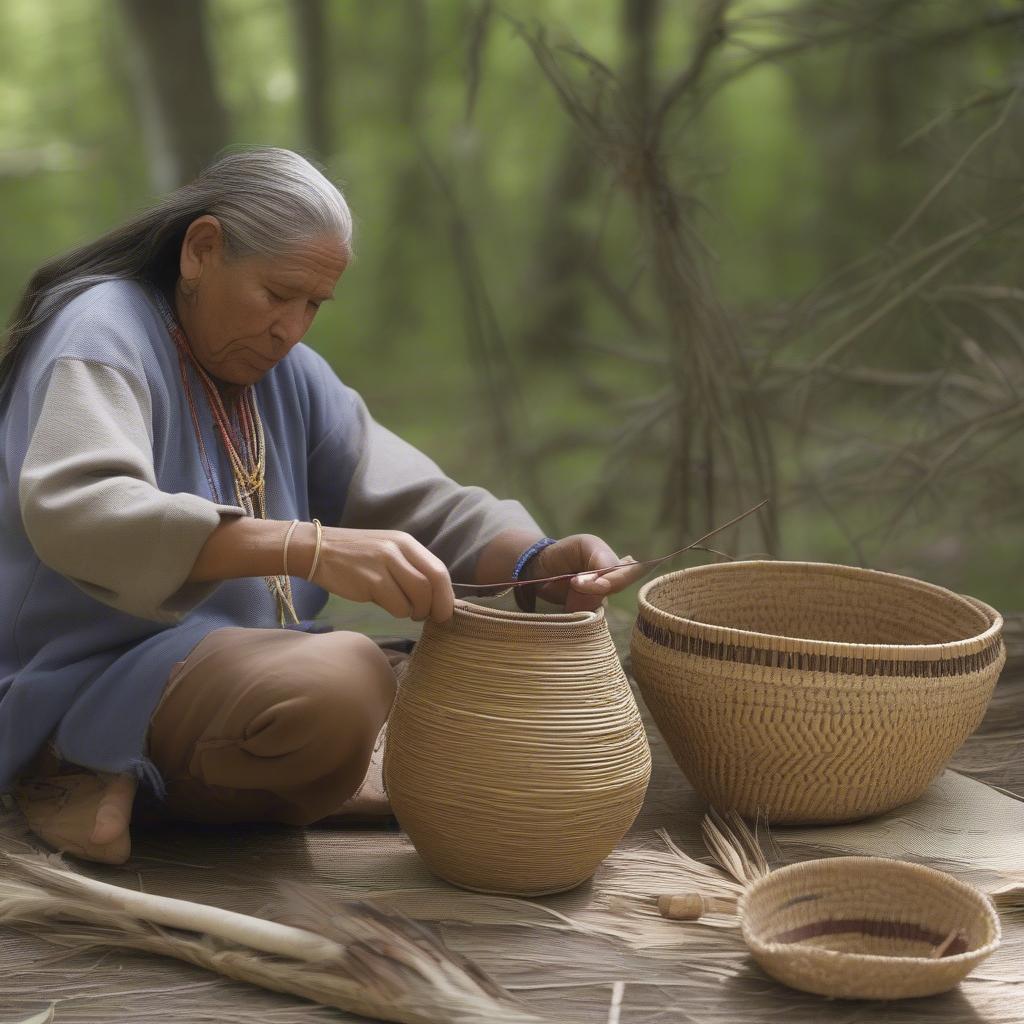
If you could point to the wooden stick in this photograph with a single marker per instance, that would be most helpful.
(618, 565)
(254, 932)
(942, 948)
(615, 1007)
(692, 906)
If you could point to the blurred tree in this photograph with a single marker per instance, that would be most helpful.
(183, 121)
(564, 249)
(794, 221)
(703, 416)
(411, 190)
(312, 38)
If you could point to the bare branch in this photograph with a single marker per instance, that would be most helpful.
(711, 37)
(479, 29)
(941, 184)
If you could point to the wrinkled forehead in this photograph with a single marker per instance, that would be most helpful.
(310, 266)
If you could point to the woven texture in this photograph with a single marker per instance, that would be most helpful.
(673, 972)
(567, 972)
(867, 928)
(516, 756)
(810, 692)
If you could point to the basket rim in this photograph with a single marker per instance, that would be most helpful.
(467, 610)
(731, 636)
(890, 864)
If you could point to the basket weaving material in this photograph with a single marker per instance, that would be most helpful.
(516, 756)
(812, 692)
(867, 928)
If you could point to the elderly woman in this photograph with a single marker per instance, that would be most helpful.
(183, 483)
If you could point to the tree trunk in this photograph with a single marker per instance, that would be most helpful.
(311, 34)
(639, 30)
(556, 312)
(183, 120)
(413, 222)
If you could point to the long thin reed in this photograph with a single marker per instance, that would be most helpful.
(357, 957)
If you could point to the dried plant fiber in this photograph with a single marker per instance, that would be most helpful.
(846, 927)
(516, 756)
(561, 954)
(350, 955)
(805, 692)
(867, 928)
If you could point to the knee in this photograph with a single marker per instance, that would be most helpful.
(364, 681)
(337, 708)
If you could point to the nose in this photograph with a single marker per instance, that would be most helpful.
(290, 325)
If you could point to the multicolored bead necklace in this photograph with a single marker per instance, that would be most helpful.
(243, 443)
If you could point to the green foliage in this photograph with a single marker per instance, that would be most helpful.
(449, 142)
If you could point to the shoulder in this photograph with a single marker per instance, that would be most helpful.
(314, 375)
(330, 407)
(308, 364)
(112, 322)
(118, 303)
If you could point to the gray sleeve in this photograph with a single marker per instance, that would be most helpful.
(90, 503)
(396, 487)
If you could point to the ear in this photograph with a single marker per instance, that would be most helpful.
(203, 241)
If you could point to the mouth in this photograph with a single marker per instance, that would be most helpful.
(260, 362)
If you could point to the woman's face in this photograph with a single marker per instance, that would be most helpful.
(244, 315)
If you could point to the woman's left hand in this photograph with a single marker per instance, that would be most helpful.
(580, 553)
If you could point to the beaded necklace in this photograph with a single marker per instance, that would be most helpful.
(243, 442)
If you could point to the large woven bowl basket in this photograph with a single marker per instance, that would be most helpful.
(867, 928)
(810, 692)
(516, 757)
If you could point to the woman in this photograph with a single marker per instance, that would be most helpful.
(170, 455)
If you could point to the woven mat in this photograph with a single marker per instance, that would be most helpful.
(561, 954)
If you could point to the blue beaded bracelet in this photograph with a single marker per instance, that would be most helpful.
(526, 597)
(544, 542)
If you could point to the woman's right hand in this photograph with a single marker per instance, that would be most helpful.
(386, 567)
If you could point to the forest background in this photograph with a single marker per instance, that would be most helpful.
(638, 263)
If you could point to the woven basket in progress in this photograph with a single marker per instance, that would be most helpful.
(867, 928)
(810, 692)
(516, 757)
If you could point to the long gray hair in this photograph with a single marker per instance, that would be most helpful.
(268, 201)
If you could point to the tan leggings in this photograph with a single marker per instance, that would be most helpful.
(267, 725)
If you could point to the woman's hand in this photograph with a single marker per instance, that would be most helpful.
(388, 568)
(578, 554)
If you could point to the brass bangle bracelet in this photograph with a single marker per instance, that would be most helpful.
(287, 538)
(316, 551)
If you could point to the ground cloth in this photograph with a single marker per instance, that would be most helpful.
(561, 954)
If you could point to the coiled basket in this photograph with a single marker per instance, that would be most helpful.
(867, 928)
(811, 692)
(516, 757)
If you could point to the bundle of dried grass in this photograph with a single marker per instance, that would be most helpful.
(621, 902)
(738, 850)
(351, 955)
(689, 890)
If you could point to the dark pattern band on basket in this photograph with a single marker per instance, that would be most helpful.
(813, 662)
(868, 926)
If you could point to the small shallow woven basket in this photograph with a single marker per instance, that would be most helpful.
(810, 692)
(867, 928)
(516, 756)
